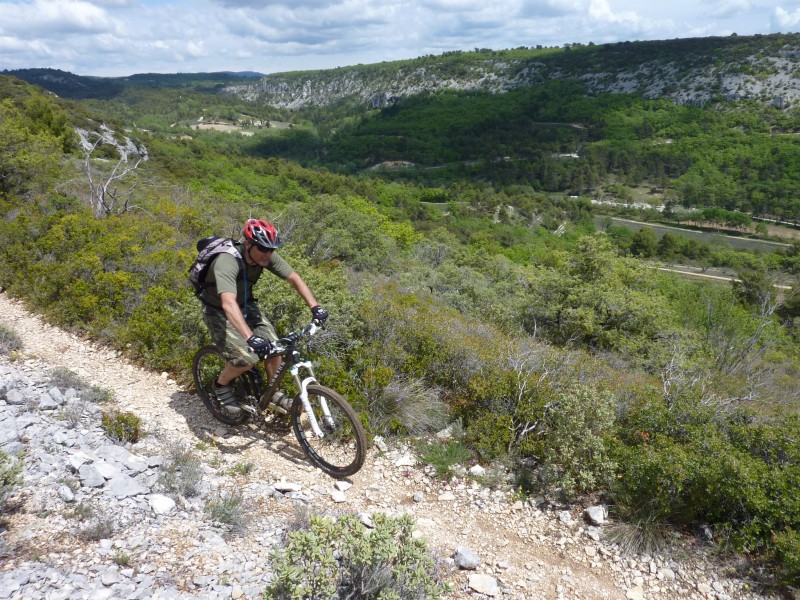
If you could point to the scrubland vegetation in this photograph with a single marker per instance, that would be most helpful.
(494, 303)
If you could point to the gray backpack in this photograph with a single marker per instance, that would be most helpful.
(207, 249)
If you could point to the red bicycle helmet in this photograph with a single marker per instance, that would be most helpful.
(262, 233)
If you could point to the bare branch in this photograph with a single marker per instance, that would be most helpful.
(105, 195)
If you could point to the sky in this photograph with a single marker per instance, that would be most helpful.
(121, 37)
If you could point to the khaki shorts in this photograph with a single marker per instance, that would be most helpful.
(233, 347)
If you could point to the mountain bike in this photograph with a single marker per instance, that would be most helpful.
(326, 426)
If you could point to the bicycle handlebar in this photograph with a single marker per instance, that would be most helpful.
(281, 345)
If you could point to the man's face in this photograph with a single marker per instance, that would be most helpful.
(259, 255)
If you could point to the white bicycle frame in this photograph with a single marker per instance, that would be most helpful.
(302, 385)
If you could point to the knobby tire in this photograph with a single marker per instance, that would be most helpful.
(207, 364)
(341, 451)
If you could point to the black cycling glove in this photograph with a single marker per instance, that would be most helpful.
(259, 345)
(320, 314)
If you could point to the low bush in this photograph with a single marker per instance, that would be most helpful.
(559, 439)
(444, 456)
(122, 426)
(80, 511)
(787, 554)
(575, 436)
(641, 528)
(10, 476)
(243, 468)
(227, 508)
(64, 378)
(735, 471)
(181, 472)
(341, 558)
(406, 406)
(165, 328)
(10, 341)
(122, 558)
(96, 524)
(101, 527)
(98, 394)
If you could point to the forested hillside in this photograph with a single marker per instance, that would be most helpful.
(476, 293)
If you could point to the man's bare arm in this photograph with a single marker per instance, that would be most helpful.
(302, 289)
(234, 314)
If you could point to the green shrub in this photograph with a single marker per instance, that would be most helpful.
(491, 434)
(10, 476)
(575, 455)
(443, 457)
(407, 406)
(735, 471)
(10, 341)
(787, 551)
(96, 524)
(243, 468)
(342, 559)
(63, 378)
(98, 394)
(641, 527)
(100, 526)
(166, 328)
(228, 509)
(122, 426)
(181, 472)
(559, 439)
(80, 511)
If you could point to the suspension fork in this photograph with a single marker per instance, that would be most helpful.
(302, 385)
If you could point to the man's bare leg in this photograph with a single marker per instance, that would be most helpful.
(271, 366)
(229, 373)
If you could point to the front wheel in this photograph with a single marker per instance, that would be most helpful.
(206, 367)
(342, 447)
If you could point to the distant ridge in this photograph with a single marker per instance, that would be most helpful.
(80, 87)
(244, 73)
(687, 70)
(69, 85)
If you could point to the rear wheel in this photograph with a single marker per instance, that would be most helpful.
(206, 367)
(341, 449)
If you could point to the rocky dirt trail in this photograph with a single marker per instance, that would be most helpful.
(525, 551)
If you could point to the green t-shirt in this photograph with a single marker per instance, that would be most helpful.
(223, 276)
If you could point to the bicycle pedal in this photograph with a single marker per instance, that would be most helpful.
(251, 409)
(277, 409)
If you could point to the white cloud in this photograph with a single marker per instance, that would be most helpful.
(461, 5)
(44, 17)
(115, 3)
(730, 8)
(544, 9)
(121, 37)
(785, 20)
(196, 49)
(600, 10)
(271, 5)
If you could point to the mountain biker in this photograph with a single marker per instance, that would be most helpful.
(232, 316)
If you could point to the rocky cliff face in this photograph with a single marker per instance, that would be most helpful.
(760, 68)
